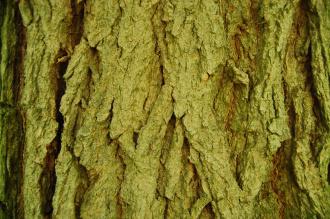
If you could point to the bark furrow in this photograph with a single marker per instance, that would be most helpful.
(165, 109)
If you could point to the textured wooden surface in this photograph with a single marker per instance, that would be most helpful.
(165, 109)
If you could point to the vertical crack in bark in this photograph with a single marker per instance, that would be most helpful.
(77, 26)
(282, 172)
(283, 180)
(20, 52)
(47, 179)
(238, 172)
(18, 208)
(161, 178)
(328, 174)
(276, 176)
(291, 113)
(158, 37)
(162, 75)
(196, 181)
(292, 126)
(166, 207)
(135, 138)
(19, 211)
(317, 108)
(231, 109)
(82, 188)
(207, 212)
(118, 197)
(84, 184)
(281, 163)
(119, 156)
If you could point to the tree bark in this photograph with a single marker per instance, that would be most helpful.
(165, 109)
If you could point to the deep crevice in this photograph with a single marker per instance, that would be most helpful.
(166, 207)
(20, 51)
(135, 138)
(277, 175)
(157, 39)
(164, 155)
(161, 67)
(238, 172)
(196, 181)
(317, 108)
(120, 202)
(288, 152)
(208, 212)
(85, 182)
(328, 178)
(18, 211)
(81, 189)
(47, 179)
(77, 26)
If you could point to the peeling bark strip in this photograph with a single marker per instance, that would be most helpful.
(164, 109)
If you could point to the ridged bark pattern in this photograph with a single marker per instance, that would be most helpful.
(165, 109)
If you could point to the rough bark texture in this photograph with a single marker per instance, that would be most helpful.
(165, 109)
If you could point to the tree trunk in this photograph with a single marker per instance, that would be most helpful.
(165, 109)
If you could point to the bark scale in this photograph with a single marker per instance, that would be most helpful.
(159, 108)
